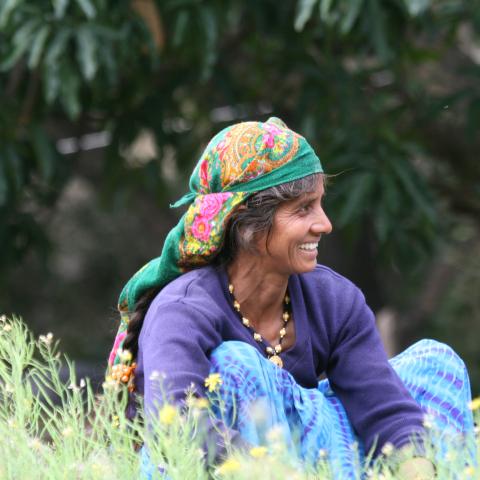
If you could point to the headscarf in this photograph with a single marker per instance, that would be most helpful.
(240, 160)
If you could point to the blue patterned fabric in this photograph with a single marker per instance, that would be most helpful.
(259, 397)
(314, 419)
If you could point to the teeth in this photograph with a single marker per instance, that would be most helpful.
(308, 246)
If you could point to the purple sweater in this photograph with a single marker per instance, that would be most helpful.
(335, 334)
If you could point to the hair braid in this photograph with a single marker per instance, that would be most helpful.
(136, 321)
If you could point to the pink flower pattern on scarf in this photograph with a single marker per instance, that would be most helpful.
(118, 340)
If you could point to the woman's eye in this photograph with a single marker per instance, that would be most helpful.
(306, 207)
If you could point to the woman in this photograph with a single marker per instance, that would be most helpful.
(237, 291)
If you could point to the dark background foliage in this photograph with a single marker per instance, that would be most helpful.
(106, 106)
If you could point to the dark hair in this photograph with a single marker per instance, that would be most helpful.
(241, 233)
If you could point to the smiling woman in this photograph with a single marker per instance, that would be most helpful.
(237, 295)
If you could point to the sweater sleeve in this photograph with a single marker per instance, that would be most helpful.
(377, 403)
(176, 342)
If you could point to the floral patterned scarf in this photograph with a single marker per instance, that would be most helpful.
(240, 160)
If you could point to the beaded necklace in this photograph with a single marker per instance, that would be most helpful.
(272, 352)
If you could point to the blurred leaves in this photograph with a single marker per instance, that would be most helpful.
(364, 80)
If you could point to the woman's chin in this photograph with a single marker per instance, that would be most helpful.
(306, 265)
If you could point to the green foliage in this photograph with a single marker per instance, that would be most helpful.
(352, 76)
(56, 429)
(363, 80)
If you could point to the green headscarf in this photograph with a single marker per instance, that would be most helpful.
(240, 160)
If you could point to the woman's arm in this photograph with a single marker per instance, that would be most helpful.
(377, 403)
(175, 344)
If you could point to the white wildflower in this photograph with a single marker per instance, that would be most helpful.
(275, 434)
(110, 383)
(12, 423)
(125, 355)
(388, 449)
(428, 420)
(156, 375)
(46, 339)
(323, 453)
(35, 444)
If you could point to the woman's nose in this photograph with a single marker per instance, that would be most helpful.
(322, 225)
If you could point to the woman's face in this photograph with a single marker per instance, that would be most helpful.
(298, 225)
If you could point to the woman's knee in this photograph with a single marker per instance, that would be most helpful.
(438, 350)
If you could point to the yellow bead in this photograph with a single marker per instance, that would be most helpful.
(278, 348)
(269, 350)
(230, 288)
(286, 316)
(236, 305)
(283, 332)
(257, 337)
(246, 321)
(287, 299)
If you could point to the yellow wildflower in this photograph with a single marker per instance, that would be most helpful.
(474, 404)
(201, 403)
(213, 381)
(115, 421)
(258, 452)
(167, 414)
(197, 403)
(7, 327)
(67, 432)
(469, 471)
(231, 465)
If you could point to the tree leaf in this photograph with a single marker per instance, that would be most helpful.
(378, 30)
(325, 13)
(6, 9)
(180, 28)
(351, 16)
(58, 45)
(38, 44)
(45, 154)
(416, 192)
(304, 13)
(3, 183)
(86, 52)
(87, 8)
(356, 197)
(22, 40)
(210, 33)
(60, 7)
(417, 7)
(70, 90)
(51, 83)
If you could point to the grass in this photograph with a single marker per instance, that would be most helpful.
(62, 429)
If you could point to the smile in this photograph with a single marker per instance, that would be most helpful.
(308, 246)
